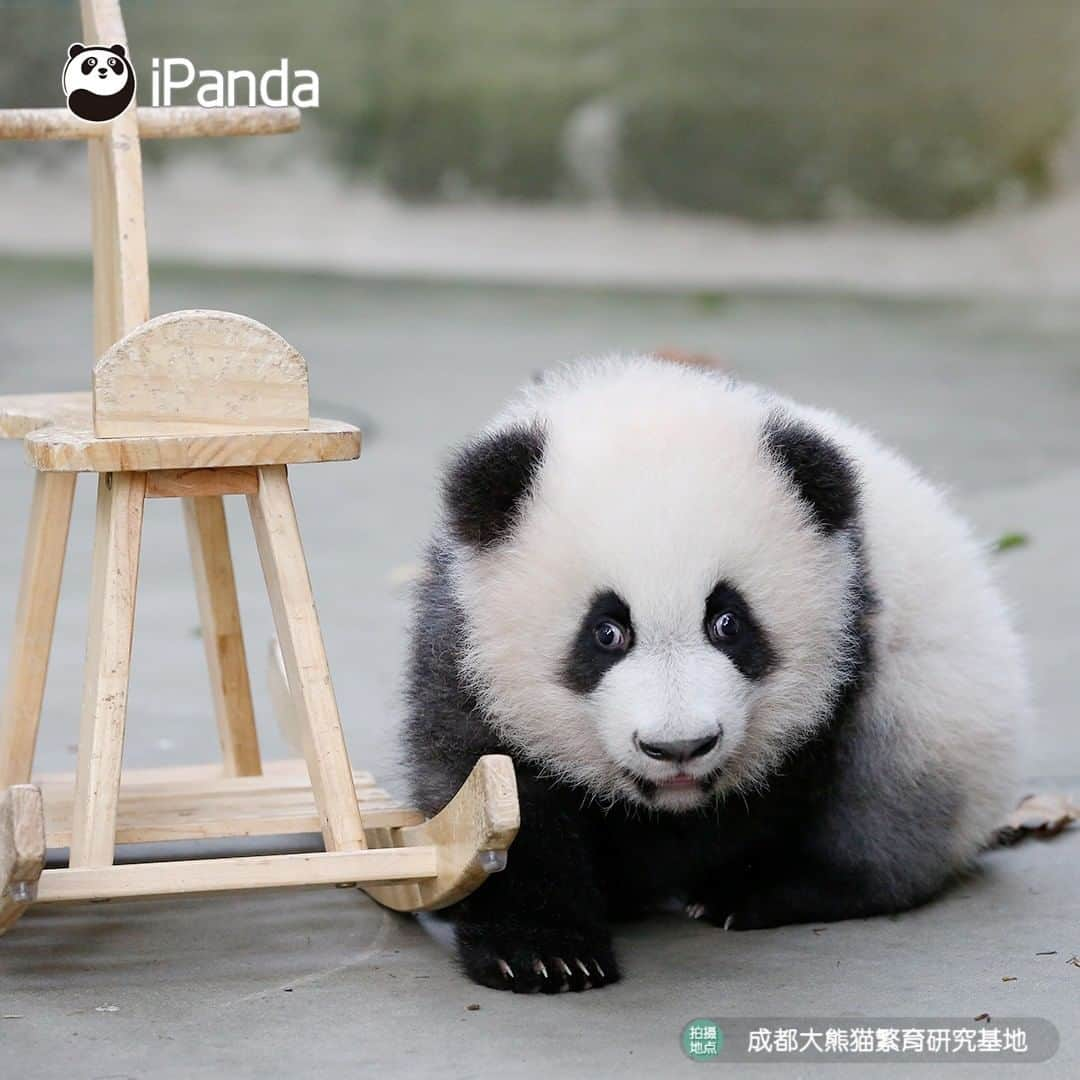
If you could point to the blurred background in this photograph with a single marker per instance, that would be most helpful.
(922, 111)
(868, 204)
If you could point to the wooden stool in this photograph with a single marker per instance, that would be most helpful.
(194, 405)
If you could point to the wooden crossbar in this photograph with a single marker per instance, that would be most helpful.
(192, 483)
(244, 872)
(175, 122)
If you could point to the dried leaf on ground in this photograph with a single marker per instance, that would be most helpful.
(1044, 816)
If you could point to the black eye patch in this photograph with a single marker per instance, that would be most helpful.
(749, 649)
(88, 65)
(587, 663)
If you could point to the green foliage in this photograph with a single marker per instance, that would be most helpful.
(921, 110)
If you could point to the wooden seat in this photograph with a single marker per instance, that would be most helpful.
(72, 446)
(58, 433)
(21, 414)
(202, 803)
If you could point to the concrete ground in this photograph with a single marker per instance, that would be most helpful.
(985, 395)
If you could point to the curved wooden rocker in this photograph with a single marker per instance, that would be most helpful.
(194, 405)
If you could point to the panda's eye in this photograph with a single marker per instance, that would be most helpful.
(724, 628)
(114, 63)
(611, 636)
(88, 65)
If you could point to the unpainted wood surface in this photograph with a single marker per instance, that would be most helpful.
(35, 616)
(22, 835)
(118, 221)
(195, 483)
(22, 847)
(174, 122)
(223, 638)
(60, 437)
(277, 536)
(193, 372)
(279, 775)
(21, 414)
(10, 913)
(246, 872)
(147, 813)
(75, 448)
(117, 541)
(482, 816)
(101, 21)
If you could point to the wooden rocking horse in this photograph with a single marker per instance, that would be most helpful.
(194, 405)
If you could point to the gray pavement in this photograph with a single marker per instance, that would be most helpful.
(985, 395)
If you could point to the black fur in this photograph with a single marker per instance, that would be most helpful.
(586, 662)
(811, 846)
(822, 475)
(751, 651)
(487, 483)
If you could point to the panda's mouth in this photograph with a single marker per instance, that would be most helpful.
(678, 783)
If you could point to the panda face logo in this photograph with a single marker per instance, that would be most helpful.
(99, 82)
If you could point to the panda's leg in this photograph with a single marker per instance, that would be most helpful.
(540, 924)
(813, 890)
(865, 852)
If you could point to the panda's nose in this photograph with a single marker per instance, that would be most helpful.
(678, 750)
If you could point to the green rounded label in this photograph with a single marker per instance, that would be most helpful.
(702, 1040)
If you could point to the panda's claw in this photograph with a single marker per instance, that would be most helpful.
(528, 960)
(695, 911)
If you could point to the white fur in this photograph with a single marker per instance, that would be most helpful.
(654, 485)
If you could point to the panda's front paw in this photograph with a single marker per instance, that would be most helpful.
(743, 916)
(531, 959)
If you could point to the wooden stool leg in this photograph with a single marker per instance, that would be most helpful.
(219, 612)
(285, 569)
(43, 567)
(22, 850)
(117, 539)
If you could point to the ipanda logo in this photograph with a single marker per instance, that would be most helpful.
(276, 86)
(99, 83)
(98, 80)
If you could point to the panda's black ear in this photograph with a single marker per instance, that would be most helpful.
(821, 473)
(75, 48)
(118, 49)
(487, 482)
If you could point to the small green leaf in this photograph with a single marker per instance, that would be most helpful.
(1008, 541)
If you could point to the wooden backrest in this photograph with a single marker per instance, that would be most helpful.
(200, 372)
(121, 271)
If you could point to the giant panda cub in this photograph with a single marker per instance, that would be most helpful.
(741, 654)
